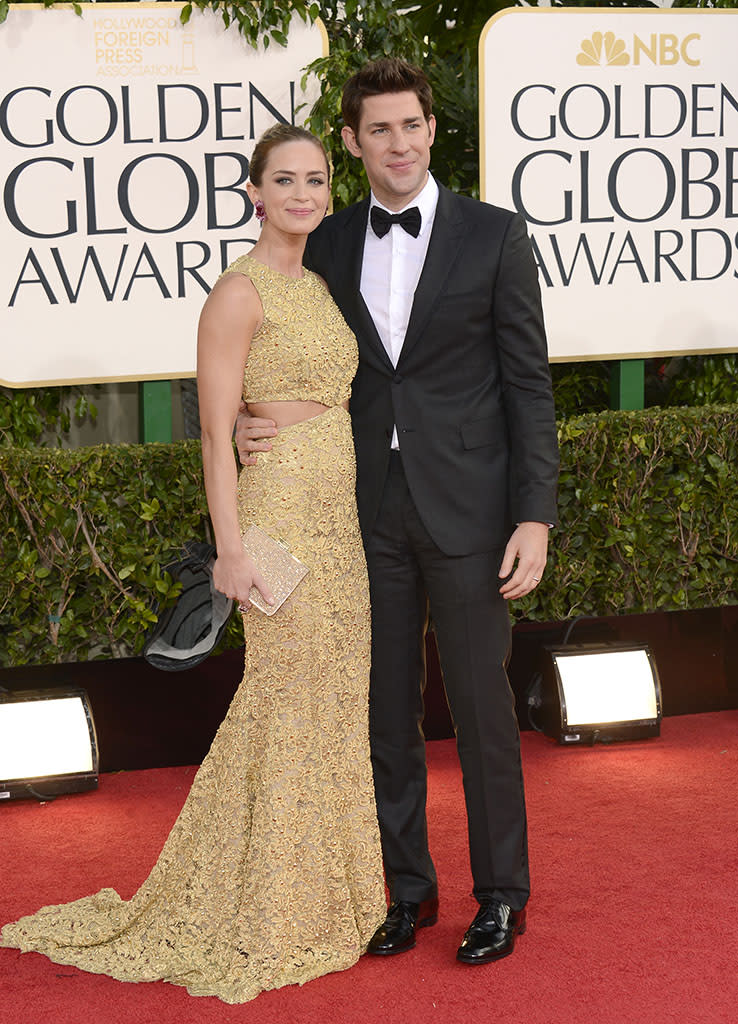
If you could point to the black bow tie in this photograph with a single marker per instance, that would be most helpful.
(383, 221)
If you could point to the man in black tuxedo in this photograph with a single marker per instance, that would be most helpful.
(457, 464)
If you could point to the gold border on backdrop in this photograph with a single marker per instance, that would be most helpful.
(607, 12)
(158, 4)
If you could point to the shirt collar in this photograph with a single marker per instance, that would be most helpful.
(426, 201)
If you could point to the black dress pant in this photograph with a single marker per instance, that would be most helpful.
(408, 574)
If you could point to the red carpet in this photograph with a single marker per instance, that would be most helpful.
(633, 918)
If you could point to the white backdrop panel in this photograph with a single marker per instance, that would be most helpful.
(124, 145)
(615, 133)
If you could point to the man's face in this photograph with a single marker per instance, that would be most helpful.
(393, 141)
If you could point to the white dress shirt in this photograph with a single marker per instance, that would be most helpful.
(391, 270)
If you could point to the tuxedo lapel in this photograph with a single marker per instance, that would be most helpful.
(348, 252)
(347, 288)
(443, 249)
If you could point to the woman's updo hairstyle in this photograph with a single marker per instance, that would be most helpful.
(276, 136)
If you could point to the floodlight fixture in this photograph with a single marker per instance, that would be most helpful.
(48, 743)
(600, 693)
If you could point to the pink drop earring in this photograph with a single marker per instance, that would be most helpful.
(260, 211)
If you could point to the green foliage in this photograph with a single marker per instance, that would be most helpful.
(580, 387)
(455, 155)
(463, 21)
(265, 22)
(705, 3)
(86, 534)
(649, 515)
(649, 521)
(679, 380)
(28, 413)
(701, 380)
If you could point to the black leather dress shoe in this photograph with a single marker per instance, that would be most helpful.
(397, 934)
(492, 933)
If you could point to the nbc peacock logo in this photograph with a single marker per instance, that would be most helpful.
(603, 49)
(665, 49)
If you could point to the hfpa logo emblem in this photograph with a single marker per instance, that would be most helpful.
(604, 49)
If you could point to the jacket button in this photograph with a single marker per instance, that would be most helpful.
(397, 379)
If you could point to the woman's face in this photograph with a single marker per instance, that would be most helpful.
(294, 187)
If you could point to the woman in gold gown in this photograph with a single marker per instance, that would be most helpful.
(272, 873)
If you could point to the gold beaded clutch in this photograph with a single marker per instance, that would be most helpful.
(280, 569)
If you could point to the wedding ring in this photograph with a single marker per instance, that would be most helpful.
(536, 579)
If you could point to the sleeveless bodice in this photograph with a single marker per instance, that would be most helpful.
(304, 350)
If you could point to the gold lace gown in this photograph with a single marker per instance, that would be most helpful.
(272, 873)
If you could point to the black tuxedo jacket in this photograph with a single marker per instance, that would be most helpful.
(471, 393)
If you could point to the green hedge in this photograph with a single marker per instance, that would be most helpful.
(85, 534)
(649, 521)
(648, 504)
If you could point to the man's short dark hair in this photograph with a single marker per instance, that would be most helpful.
(388, 75)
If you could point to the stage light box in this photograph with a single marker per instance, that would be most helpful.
(605, 692)
(48, 743)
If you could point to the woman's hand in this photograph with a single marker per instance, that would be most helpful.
(235, 575)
